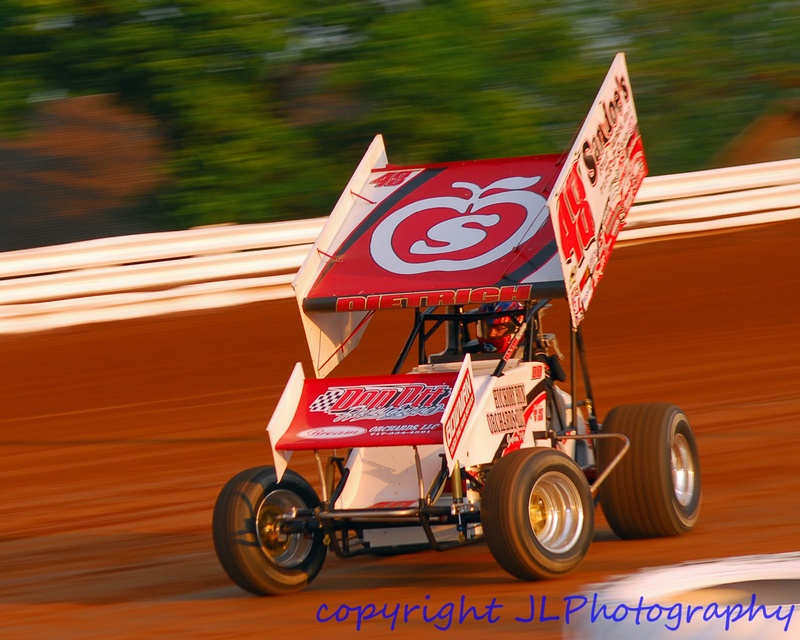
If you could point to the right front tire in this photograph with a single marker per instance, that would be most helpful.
(537, 513)
(655, 489)
(255, 553)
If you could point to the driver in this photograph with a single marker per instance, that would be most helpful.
(495, 334)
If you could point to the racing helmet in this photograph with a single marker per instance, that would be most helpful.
(495, 334)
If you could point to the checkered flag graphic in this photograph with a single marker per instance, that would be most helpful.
(326, 400)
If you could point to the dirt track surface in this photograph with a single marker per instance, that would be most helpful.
(116, 439)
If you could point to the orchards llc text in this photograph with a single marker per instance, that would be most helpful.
(583, 608)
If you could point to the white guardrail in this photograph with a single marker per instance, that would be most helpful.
(157, 273)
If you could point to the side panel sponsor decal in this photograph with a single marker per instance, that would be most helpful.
(369, 412)
(509, 403)
(458, 418)
(381, 402)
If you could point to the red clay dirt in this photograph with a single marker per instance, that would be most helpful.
(116, 438)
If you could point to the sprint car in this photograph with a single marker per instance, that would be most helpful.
(460, 442)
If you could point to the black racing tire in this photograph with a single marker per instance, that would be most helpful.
(655, 490)
(537, 513)
(253, 553)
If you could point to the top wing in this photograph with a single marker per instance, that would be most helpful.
(445, 234)
(473, 232)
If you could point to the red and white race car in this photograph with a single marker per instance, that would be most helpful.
(475, 440)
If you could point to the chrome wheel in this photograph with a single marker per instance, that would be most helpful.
(253, 547)
(285, 550)
(655, 489)
(683, 471)
(555, 512)
(537, 513)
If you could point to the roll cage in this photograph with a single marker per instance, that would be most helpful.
(530, 340)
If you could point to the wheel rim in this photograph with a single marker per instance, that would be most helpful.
(683, 471)
(286, 550)
(555, 511)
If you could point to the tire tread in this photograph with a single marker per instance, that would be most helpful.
(637, 497)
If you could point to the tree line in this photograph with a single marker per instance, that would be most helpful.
(266, 106)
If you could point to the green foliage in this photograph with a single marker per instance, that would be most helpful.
(267, 105)
(449, 82)
(704, 71)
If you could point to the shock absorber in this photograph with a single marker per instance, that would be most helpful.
(458, 501)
